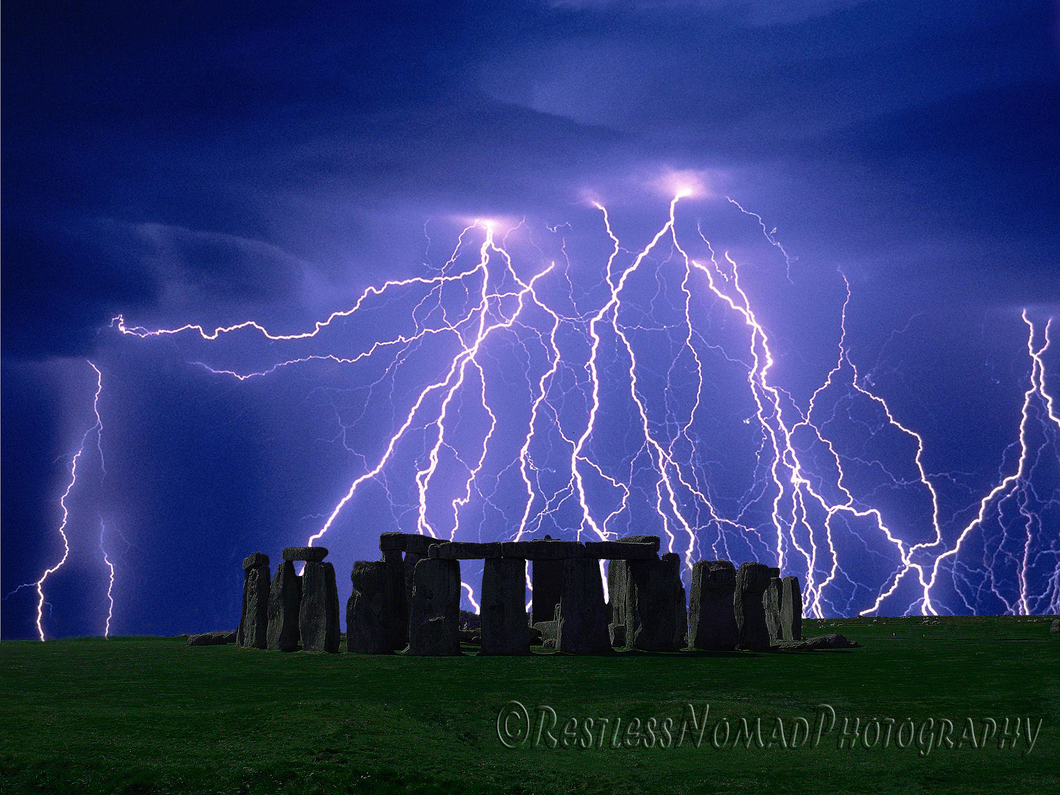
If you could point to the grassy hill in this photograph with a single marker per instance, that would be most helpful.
(151, 715)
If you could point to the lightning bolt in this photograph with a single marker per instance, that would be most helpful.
(38, 585)
(613, 384)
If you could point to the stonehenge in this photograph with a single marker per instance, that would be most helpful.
(409, 600)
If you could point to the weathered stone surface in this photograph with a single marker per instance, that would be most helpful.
(834, 641)
(653, 540)
(619, 583)
(680, 602)
(618, 634)
(771, 604)
(285, 602)
(503, 609)
(254, 625)
(547, 584)
(212, 638)
(464, 550)
(392, 542)
(791, 609)
(543, 549)
(397, 600)
(711, 616)
(407, 542)
(309, 554)
(410, 561)
(367, 626)
(752, 579)
(434, 613)
(318, 616)
(618, 591)
(240, 634)
(255, 559)
(419, 544)
(655, 618)
(547, 629)
(582, 615)
(1054, 628)
(621, 550)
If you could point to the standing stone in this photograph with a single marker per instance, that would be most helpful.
(504, 626)
(791, 609)
(619, 580)
(752, 579)
(397, 600)
(656, 610)
(547, 585)
(711, 616)
(254, 623)
(434, 613)
(318, 617)
(285, 603)
(367, 615)
(309, 554)
(680, 602)
(618, 591)
(772, 605)
(410, 562)
(582, 626)
(1054, 628)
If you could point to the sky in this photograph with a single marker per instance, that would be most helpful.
(864, 243)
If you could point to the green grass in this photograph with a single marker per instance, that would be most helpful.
(150, 715)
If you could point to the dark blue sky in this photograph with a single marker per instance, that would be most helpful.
(209, 163)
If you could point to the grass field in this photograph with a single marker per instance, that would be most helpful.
(150, 715)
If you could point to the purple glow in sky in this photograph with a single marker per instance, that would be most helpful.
(834, 352)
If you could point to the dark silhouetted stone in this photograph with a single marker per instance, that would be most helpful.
(212, 638)
(503, 611)
(619, 583)
(543, 549)
(546, 629)
(318, 617)
(392, 542)
(582, 615)
(255, 559)
(618, 591)
(791, 609)
(711, 615)
(547, 584)
(752, 579)
(285, 602)
(309, 554)
(254, 624)
(655, 610)
(434, 613)
(771, 604)
(410, 561)
(618, 634)
(621, 550)
(419, 544)
(397, 600)
(464, 550)
(654, 541)
(367, 626)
